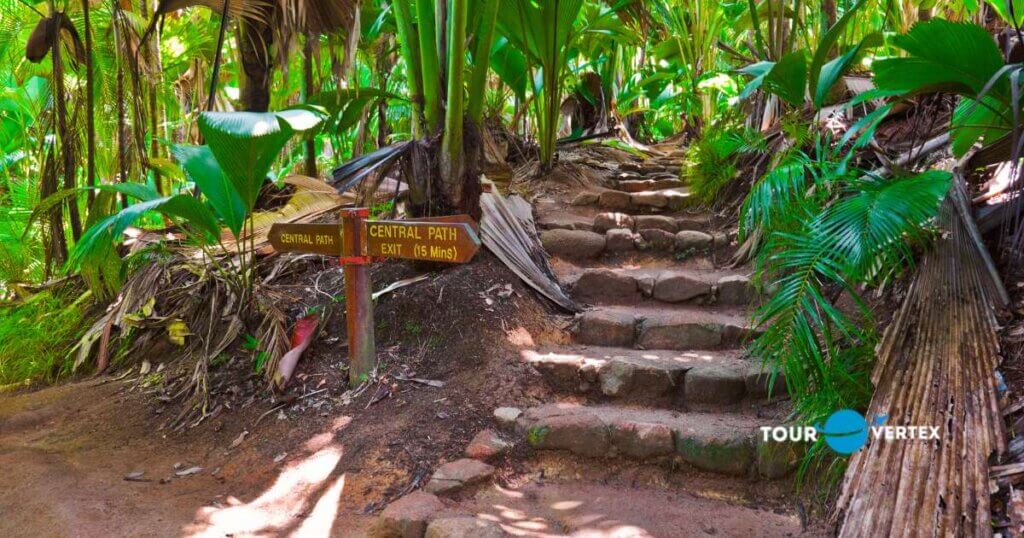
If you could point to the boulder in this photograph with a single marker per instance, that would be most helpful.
(463, 527)
(621, 377)
(573, 244)
(579, 433)
(689, 240)
(407, 517)
(452, 477)
(610, 221)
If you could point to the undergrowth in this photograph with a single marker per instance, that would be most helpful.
(712, 160)
(37, 334)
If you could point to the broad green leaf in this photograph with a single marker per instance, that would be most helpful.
(959, 57)
(202, 168)
(245, 145)
(788, 78)
(830, 73)
(825, 46)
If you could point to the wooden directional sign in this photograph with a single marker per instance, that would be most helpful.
(316, 238)
(429, 240)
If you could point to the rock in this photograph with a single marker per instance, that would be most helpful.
(452, 477)
(573, 244)
(735, 290)
(560, 371)
(407, 517)
(614, 200)
(463, 527)
(606, 328)
(646, 285)
(621, 377)
(506, 417)
(641, 440)
(658, 239)
(656, 199)
(585, 198)
(620, 240)
(758, 380)
(778, 459)
(656, 222)
(719, 240)
(610, 221)
(693, 223)
(718, 452)
(580, 433)
(669, 334)
(604, 284)
(486, 445)
(674, 288)
(713, 385)
(688, 240)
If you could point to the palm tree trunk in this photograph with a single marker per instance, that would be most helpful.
(67, 145)
(307, 91)
(90, 105)
(254, 45)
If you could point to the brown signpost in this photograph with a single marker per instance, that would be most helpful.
(317, 238)
(449, 242)
(358, 242)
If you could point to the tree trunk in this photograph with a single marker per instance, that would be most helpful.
(64, 135)
(307, 91)
(90, 113)
(254, 45)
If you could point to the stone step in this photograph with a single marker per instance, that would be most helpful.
(682, 328)
(691, 379)
(629, 286)
(729, 444)
(649, 201)
(647, 184)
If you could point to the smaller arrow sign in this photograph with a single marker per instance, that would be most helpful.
(313, 238)
(451, 242)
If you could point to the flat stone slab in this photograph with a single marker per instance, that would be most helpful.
(719, 443)
(641, 185)
(616, 200)
(452, 477)
(661, 199)
(656, 222)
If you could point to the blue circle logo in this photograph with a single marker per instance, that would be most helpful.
(846, 431)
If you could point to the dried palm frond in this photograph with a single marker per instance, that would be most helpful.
(247, 9)
(40, 42)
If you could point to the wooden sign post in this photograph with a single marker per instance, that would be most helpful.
(358, 242)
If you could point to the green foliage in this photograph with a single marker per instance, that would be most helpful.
(955, 57)
(36, 335)
(711, 160)
(856, 230)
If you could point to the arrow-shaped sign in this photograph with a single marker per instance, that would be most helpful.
(450, 242)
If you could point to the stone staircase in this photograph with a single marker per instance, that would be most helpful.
(655, 376)
(657, 355)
